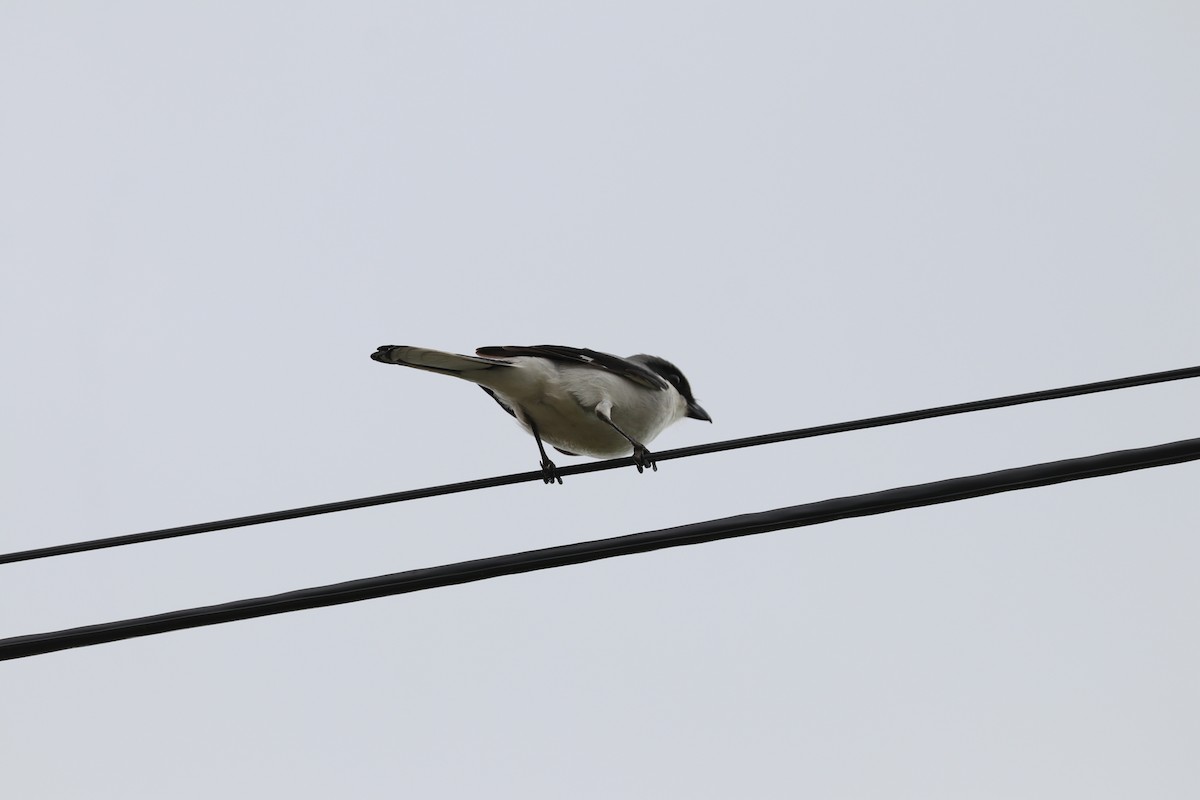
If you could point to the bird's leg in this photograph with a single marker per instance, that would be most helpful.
(549, 471)
(642, 458)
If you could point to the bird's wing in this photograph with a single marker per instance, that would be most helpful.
(499, 402)
(631, 370)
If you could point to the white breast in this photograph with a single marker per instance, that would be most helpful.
(560, 399)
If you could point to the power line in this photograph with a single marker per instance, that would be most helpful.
(597, 466)
(548, 558)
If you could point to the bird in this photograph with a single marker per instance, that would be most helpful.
(581, 402)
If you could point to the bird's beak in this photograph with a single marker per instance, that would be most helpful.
(696, 412)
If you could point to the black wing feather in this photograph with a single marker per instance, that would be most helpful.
(500, 402)
(632, 370)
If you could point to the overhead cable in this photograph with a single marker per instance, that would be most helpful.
(597, 466)
(945, 491)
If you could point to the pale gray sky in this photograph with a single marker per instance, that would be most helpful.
(212, 214)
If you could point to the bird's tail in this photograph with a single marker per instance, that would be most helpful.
(434, 360)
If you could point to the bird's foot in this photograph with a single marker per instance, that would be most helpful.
(549, 472)
(643, 458)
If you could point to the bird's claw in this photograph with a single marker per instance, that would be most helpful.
(643, 458)
(550, 472)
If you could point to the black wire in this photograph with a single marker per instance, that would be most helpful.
(481, 569)
(597, 466)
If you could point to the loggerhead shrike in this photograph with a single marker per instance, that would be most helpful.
(580, 401)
